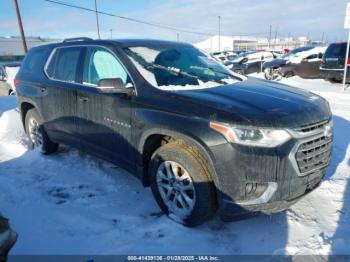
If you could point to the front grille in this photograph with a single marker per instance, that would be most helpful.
(314, 154)
(312, 127)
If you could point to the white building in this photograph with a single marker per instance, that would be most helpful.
(12, 46)
(229, 43)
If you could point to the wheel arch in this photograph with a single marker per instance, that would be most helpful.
(25, 107)
(156, 137)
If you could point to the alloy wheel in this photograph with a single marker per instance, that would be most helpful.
(176, 189)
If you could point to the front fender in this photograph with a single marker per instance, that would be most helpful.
(193, 130)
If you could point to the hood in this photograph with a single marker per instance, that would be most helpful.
(261, 103)
(275, 63)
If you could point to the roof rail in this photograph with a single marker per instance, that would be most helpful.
(77, 39)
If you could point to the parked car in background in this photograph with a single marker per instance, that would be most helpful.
(272, 68)
(305, 64)
(225, 56)
(7, 238)
(205, 139)
(8, 73)
(333, 62)
(249, 62)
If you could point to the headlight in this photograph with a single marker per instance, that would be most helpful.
(262, 137)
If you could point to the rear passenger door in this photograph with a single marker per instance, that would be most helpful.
(104, 119)
(59, 101)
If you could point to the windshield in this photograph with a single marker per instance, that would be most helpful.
(179, 67)
(295, 51)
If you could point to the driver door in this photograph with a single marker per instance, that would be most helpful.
(104, 119)
(309, 67)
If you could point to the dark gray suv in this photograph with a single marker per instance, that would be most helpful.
(204, 138)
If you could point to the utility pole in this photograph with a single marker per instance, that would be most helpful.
(270, 36)
(288, 39)
(111, 30)
(275, 36)
(322, 37)
(178, 37)
(25, 48)
(219, 33)
(97, 23)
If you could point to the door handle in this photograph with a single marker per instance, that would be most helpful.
(83, 98)
(42, 89)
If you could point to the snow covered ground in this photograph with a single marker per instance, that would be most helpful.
(72, 203)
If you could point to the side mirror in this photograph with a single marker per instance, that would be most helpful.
(3, 78)
(114, 85)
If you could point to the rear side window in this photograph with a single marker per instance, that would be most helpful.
(336, 50)
(64, 63)
(34, 60)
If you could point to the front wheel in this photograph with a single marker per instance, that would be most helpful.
(182, 184)
(36, 133)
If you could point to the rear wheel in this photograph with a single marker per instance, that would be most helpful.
(181, 184)
(36, 133)
(289, 74)
(333, 80)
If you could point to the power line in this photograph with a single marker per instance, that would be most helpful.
(168, 27)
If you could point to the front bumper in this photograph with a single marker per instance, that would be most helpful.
(237, 166)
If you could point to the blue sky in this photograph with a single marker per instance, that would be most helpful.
(300, 18)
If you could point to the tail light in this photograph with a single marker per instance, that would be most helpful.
(16, 82)
(348, 62)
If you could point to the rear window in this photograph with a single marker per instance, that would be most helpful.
(64, 63)
(336, 50)
(34, 60)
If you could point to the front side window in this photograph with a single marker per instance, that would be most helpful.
(177, 67)
(100, 64)
(64, 63)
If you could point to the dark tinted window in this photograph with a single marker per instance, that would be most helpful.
(64, 63)
(336, 50)
(313, 56)
(35, 60)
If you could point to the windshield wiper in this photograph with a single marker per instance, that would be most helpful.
(212, 69)
(177, 71)
(172, 70)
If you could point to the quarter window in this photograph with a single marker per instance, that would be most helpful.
(64, 63)
(100, 64)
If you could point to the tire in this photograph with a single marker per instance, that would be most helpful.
(333, 80)
(289, 74)
(268, 74)
(197, 184)
(37, 136)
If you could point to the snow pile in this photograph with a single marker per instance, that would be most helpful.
(72, 203)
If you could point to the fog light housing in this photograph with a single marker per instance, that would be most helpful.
(258, 193)
(255, 190)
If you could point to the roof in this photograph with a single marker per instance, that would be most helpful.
(118, 42)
